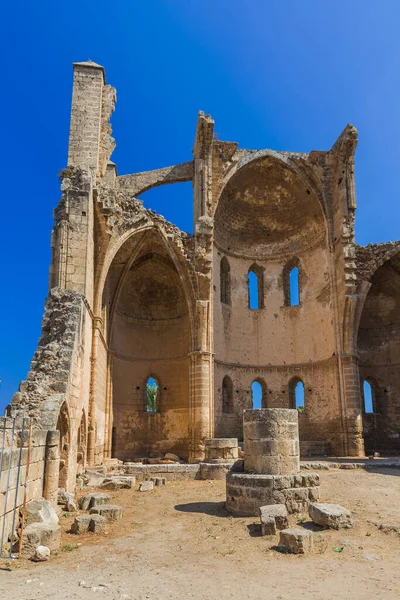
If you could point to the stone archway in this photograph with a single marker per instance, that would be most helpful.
(149, 335)
(63, 426)
(378, 344)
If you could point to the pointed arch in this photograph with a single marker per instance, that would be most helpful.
(136, 238)
(64, 427)
(225, 281)
(292, 279)
(227, 395)
(258, 393)
(152, 394)
(255, 287)
(297, 394)
(81, 443)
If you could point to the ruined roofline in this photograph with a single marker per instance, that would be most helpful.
(90, 65)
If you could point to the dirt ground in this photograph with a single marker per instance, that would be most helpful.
(179, 542)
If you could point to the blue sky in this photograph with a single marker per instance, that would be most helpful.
(283, 75)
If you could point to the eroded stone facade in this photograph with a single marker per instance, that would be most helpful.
(132, 297)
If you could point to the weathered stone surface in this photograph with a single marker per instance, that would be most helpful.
(70, 506)
(246, 493)
(146, 486)
(278, 514)
(98, 524)
(332, 516)
(94, 499)
(255, 211)
(297, 541)
(81, 524)
(118, 482)
(41, 554)
(172, 456)
(40, 511)
(156, 480)
(110, 511)
(94, 478)
(64, 497)
(40, 534)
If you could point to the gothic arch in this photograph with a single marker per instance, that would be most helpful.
(64, 427)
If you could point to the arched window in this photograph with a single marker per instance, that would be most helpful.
(227, 395)
(255, 287)
(81, 441)
(63, 426)
(369, 393)
(225, 281)
(258, 394)
(291, 282)
(152, 395)
(296, 394)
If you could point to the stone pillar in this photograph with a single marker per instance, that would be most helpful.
(86, 113)
(52, 466)
(200, 403)
(354, 443)
(271, 465)
(271, 441)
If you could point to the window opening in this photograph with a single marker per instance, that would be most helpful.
(256, 395)
(253, 287)
(225, 281)
(294, 293)
(368, 397)
(227, 395)
(152, 395)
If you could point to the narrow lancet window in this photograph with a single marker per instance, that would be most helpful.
(294, 287)
(255, 287)
(368, 391)
(225, 281)
(152, 395)
(227, 395)
(256, 395)
(291, 282)
(296, 394)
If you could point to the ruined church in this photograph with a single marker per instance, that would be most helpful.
(153, 338)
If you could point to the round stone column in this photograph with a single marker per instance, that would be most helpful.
(271, 441)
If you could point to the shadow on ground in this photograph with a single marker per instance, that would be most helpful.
(216, 509)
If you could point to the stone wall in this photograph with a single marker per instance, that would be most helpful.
(39, 468)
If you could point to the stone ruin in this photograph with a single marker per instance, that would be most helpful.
(271, 466)
(134, 299)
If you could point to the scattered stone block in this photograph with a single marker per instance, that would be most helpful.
(98, 524)
(296, 541)
(156, 480)
(81, 524)
(64, 497)
(92, 500)
(110, 511)
(146, 486)
(41, 554)
(95, 477)
(118, 482)
(40, 534)
(171, 456)
(268, 526)
(40, 511)
(112, 462)
(70, 506)
(273, 517)
(333, 516)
